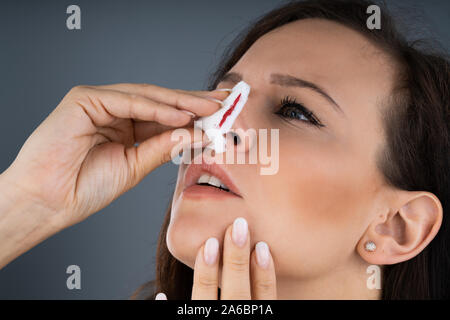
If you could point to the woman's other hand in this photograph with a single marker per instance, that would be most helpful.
(242, 272)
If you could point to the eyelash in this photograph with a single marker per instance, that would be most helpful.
(288, 107)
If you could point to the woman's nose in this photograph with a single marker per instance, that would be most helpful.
(241, 137)
(236, 139)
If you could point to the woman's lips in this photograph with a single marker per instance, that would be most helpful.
(197, 191)
(193, 173)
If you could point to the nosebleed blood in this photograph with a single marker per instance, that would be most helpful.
(229, 111)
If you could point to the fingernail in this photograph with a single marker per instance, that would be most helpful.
(215, 100)
(262, 254)
(223, 89)
(239, 232)
(161, 296)
(211, 250)
(189, 113)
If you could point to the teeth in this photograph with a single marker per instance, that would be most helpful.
(214, 181)
(204, 178)
(224, 187)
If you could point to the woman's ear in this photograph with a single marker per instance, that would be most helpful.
(404, 231)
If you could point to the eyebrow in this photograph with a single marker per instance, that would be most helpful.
(286, 80)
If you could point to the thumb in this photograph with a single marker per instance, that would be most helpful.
(161, 148)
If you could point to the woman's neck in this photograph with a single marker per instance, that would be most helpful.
(350, 282)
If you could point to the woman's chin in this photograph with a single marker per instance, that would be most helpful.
(193, 222)
(188, 231)
(186, 234)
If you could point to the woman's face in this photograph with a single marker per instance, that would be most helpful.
(315, 209)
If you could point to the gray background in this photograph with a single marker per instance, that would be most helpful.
(175, 44)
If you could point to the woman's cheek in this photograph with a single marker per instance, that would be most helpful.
(316, 204)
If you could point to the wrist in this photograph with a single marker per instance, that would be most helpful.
(24, 221)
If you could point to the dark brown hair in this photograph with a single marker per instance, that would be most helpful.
(415, 156)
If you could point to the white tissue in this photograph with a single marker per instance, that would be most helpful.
(211, 124)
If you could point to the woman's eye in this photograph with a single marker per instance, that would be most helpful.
(291, 109)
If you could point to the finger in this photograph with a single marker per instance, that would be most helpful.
(177, 98)
(235, 282)
(159, 149)
(263, 277)
(144, 129)
(104, 107)
(206, 271)
(217, 94)
(148, 90)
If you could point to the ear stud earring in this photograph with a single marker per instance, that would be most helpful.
(370, 246)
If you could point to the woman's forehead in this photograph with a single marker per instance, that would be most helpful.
(324, 52)
(317, 41)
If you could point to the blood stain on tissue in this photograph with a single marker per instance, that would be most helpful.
(229, 111)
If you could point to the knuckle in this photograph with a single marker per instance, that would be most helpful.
(155, 112)
(146, 86)
(165, 157)
(76, 89)
(77, 92)
(206, 281)
(134, 99)
(178, 99)
(238, 264)
(264, 285)
(143, 86)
